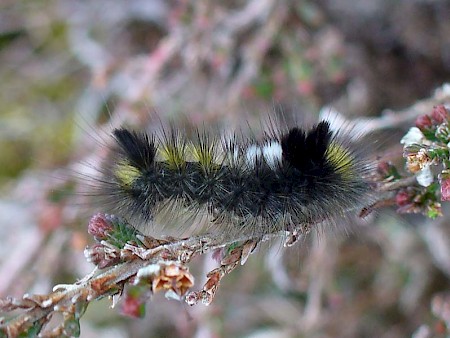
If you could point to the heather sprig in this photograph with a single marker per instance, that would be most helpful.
(427, 154)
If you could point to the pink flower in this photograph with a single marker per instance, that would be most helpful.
(445, 189)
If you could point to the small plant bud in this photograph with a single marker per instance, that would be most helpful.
(439, 114)
(133, 307)
(444, 180)
(423, 122)
(445, 190)
(99, 227)
(387, 171)
(402, 198)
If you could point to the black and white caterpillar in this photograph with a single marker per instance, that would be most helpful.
(288, 180)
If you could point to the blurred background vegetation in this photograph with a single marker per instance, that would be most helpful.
(70, 69)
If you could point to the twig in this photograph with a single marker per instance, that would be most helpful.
(168, 253)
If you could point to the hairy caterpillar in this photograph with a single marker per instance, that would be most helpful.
(289, 179)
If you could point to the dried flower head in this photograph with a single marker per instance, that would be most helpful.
(173, 278)
(417, 160)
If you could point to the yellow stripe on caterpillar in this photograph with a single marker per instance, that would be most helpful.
(174, 155)
(206, 155)
(126, 173)
(341, 159)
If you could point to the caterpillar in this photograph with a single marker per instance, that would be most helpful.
(237, 185)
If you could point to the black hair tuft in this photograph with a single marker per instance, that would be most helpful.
(139, 149)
